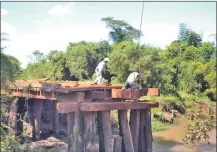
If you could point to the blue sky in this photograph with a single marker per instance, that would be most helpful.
(52, 25)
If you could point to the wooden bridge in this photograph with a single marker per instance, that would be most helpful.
(88, 109)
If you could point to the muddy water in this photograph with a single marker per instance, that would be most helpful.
(171, 140)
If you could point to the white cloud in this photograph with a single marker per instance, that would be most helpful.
(36, 22)
(3, 12)
(10, 30)
(60, 10)
(54, 38)
(159, 34)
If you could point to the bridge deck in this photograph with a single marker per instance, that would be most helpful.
(56, 90)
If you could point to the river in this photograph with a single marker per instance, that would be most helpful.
(171, 140)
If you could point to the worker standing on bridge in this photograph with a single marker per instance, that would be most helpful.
(100, 69)
(131, 80)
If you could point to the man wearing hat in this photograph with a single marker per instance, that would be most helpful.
(100, 69)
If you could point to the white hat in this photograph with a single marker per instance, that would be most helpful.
(106, 59)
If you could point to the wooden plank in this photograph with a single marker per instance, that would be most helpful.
(117, 143)
(134, 93)
(66, 97)
(98, 95)
(70, 120)
(150, 92)
(107, 131)
(134, 127)
(67, 107)
(125, 131)
(19, 94)
(103, 106)
(37, 119)
(121, 93)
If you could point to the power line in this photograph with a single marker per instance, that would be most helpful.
(141, 22)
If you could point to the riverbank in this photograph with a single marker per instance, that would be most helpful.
(170, 140)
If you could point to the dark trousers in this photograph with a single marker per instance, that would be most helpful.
(128, 85)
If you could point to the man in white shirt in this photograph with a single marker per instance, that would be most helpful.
(99, 70)
(130, 83)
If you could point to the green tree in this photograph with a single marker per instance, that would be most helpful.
(81, 59)
(194, 39)
(36, 56)
(183, 32)
(123, 59)
(4, 38)
(59, 71)
(191, 53)
(207, 51)
(37, 70)
(9, 65)
(121, 30)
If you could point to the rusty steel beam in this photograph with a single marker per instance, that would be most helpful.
(103, 106)
(67, 107)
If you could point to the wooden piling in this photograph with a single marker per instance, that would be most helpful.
(78, 127)
(134, 127)
(125, 131)
(148, 130)
(100, 132)
(90, 132)
(107, 131)
(70, 120)
(56, 120)
(37, 119)
(13, 116)
(117, 143)
(145, 138)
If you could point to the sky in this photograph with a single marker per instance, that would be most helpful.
(47, 26)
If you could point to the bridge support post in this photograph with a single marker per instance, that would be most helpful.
(76, 137)
(125, 131)
(134, 127)
(38, 103)
(145, 135)
(13, 116)
(148, 130)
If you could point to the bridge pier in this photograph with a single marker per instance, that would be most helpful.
(88, 116)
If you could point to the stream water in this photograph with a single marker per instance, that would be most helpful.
(171, 140)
